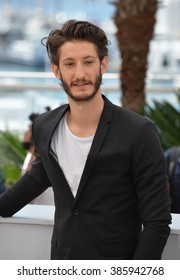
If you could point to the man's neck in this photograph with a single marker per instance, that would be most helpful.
(83, 117)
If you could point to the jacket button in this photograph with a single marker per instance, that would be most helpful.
(75, 212)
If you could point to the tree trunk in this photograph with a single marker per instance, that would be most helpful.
(135, 20)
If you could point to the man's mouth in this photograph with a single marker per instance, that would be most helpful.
(81, 84)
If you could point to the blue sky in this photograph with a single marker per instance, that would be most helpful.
(95, 9)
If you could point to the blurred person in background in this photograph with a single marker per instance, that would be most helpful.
(28, 145)
(46, 198)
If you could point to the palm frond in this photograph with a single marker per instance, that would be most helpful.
(167, 119)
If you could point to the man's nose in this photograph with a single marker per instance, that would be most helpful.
(80, 71)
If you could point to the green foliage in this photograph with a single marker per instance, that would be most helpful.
(11, 173)
(12, 155)
(167, 119)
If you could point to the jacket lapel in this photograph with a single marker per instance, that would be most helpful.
(45, 126)
(97, 143)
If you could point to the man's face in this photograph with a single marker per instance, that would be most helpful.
(80, 70)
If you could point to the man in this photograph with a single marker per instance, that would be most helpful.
(104, 163)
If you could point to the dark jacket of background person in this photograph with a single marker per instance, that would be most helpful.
(120, 190)
(2, 184)
(173, 171)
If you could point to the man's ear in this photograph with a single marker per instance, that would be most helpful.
(56, 71)
(104, 64)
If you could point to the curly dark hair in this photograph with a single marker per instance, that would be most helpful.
(75, 30)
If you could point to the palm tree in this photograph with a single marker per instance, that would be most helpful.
(135, 22)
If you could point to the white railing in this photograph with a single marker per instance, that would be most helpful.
(29, 81)
(20, 74)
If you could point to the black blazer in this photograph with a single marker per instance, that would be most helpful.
(123, 187)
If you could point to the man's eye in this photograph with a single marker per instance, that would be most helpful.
(69, 64)
(88, 62)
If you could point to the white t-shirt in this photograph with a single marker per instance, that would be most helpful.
(72, 152)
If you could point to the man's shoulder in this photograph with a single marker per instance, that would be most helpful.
(127, 115)
(46, 123)
(122, 115)
(48, 117)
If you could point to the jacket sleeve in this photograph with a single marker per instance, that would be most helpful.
(150, 178)
(28, 187)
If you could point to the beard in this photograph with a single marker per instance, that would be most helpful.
(86, 96)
